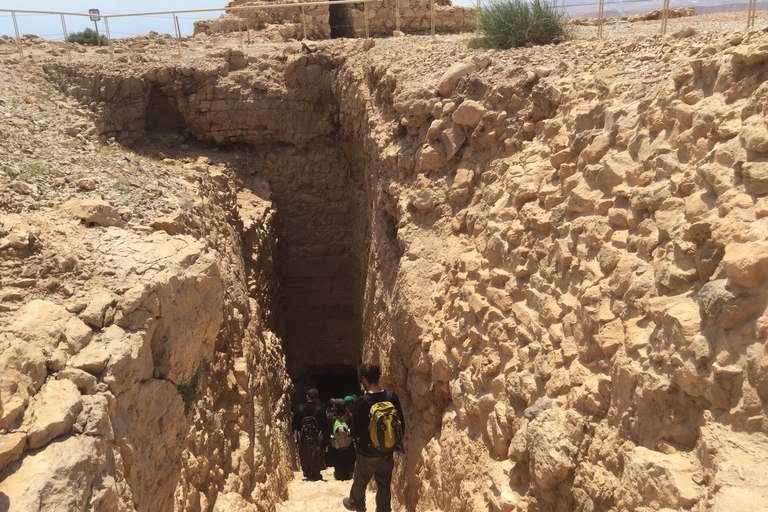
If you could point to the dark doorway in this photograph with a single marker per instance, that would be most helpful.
(161, 115)
(340, 22)
(331, 381)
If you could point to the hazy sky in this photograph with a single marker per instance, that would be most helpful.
(49, 26)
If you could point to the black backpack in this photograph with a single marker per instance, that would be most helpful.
(309, 433)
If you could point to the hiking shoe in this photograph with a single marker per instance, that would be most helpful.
(349, 505)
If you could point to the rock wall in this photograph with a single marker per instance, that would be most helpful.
(345, 20)
(91, 406)
(565, 278)
(567, 283)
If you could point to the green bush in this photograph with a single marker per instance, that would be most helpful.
(188, 391)
(87, 36)
(515, 23)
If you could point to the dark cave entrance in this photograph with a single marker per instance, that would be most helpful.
(331, 381)
(161, 115)
(340, 21)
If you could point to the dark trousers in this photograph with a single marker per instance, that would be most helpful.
(312, 461)
(343, 463)
(380, 468)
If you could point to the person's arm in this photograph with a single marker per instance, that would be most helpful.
(359, 422)
(296, 422)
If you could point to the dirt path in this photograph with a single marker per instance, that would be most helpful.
(322, 496)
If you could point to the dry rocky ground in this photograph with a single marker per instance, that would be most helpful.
(565, 260)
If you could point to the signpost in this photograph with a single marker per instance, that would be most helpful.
(95, 18)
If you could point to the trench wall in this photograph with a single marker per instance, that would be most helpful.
(564, 275)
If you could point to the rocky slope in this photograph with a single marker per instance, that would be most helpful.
(564, 268)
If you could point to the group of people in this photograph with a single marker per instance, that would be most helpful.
(359, 435)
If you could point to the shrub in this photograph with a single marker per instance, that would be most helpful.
(87, 36)
(188, 390)
(514, 23)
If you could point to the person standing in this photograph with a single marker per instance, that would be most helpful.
(310, 425)
(341, 444)
(377, 426)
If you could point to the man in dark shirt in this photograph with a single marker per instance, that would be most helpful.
(369, 461)
(311, 451)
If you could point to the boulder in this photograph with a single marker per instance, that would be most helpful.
(150, 432)
(727, 304)
(746, 264)
(452, 75)
(94, 211)
(52, 412)
(461, 189)
(40, 323)
(658, 480)
(11, 446)
(96, 310)
(755, 176)
(469, 113)
(58, 477)
(22, 373)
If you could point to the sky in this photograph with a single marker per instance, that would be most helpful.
(49, 26)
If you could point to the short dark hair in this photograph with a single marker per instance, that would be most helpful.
(371, 372)
(312, 394)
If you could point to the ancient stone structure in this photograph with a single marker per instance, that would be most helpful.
(558, 256)
(343, 20)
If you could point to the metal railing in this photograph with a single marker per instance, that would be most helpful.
(175, 14)
(600, 4)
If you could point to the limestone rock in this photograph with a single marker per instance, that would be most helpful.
(41, 323)
(469, 113)
(746, 264)
(653, 477)
(77, 334)
(452, 75)
(232, 502)
(11, 446)
(96, 311)
(52, 412)
(150, 431)
(452, 138)
(461, 189)
(727, 304)
(57, 477)
(23, 371)
(130, 358)
(95, 211)
(754, 134)
(755, 177)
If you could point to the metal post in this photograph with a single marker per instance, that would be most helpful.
(303, 22)
(397, 15)
(18, 38)
(248, 28)
(600, 8)
(96, 26)
(664, 17)
(240, 30)
(109, 38)
(367, 32)
(751, 14)
(66, 43)
(432, 9)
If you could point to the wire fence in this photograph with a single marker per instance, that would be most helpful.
(180, 22)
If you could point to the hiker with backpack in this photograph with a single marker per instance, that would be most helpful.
(310, 425)
(377, 430)
(341, 439)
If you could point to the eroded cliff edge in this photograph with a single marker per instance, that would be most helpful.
(564, 253)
